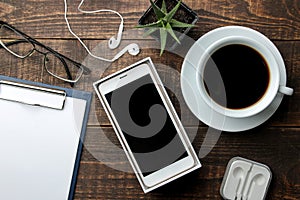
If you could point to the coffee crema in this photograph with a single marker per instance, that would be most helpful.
(244, 72)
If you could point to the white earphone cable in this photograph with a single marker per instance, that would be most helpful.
(82, 43)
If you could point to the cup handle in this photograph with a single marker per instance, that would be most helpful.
(286, 90)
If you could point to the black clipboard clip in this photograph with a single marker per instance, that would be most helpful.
(32, 95)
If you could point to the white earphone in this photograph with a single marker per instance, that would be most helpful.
(113, 43)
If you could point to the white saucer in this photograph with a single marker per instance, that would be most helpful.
(191, 92)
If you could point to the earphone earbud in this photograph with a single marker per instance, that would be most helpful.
(113, 42)
(133, 49)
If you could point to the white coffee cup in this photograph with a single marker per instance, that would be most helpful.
(267, 52)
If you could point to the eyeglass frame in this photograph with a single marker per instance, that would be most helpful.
(33, 42)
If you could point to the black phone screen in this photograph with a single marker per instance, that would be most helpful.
(146, 125)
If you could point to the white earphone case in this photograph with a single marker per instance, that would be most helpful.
(245, 179)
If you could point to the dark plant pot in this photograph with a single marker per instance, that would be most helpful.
(183, 14)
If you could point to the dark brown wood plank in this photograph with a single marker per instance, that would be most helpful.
(276, 147)
(44, 19)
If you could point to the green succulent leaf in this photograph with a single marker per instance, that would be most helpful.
(171, 14)
(171, 32)
(164, 7)
(177, 24)
(150, 31)
(159, 14)
(155, 24)
(163, 39)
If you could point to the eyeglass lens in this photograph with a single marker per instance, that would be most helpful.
(62, 68)
(15, 43)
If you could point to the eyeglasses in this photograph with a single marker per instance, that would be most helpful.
(22, 46)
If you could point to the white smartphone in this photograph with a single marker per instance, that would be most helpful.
(147, 125)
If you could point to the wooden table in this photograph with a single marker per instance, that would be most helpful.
(275, 143)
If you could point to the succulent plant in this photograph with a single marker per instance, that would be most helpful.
(165, 23)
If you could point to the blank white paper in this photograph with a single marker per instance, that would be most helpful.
(38, 148)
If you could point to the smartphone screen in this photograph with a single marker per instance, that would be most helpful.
(146, 125)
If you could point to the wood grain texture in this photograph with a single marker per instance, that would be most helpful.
(275, 143)
(277, 19)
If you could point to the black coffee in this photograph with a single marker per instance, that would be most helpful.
(244, 72)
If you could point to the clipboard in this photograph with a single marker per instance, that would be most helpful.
(42, 128)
